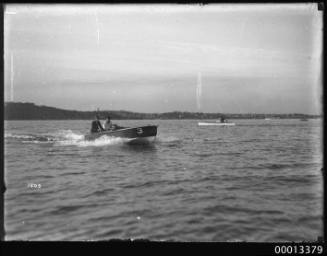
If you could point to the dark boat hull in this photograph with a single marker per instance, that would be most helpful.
(135, 134)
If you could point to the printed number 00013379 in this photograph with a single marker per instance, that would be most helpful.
(299, 249)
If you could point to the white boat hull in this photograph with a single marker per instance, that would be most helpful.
(215, 124)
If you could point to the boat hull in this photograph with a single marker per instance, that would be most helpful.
(135, 134)
(215, 124)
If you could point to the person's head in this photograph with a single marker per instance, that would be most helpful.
(108, 117)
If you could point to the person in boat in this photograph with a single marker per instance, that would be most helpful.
(96, 125)
(222, 119)
(108, 125)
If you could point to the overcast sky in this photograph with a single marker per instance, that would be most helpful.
(157, 58)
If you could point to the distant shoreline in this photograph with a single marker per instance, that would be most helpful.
(30, 111)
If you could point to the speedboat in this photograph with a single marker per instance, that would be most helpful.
(216, 124)
(142, 134)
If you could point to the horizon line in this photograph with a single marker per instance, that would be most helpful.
(248, 113)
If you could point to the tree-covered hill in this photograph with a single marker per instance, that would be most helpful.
(30, 111)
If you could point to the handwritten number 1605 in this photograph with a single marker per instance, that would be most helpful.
(32, 185)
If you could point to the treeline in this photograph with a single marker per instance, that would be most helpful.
(30, 111)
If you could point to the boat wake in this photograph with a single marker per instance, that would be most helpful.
(100, 142)
(65, 138)
(29, 138)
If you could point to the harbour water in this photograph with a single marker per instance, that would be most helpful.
(259, 180)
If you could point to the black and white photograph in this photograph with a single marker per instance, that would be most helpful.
(163, 122)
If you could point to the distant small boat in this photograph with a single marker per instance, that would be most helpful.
(216, 124)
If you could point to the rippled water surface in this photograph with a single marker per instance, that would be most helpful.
(257, 181)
